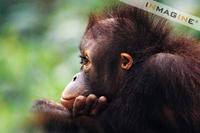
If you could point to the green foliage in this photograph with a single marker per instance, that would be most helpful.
(39, 52)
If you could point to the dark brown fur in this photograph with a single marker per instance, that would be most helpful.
(161, 92)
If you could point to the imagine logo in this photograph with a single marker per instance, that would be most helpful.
(166, 12)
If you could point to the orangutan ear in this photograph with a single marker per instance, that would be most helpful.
(126, 61)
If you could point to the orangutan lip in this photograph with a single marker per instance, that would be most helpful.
(67, 98)
(85, 93)
(67, 102)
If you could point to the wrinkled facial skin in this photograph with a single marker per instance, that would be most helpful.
(100, 72)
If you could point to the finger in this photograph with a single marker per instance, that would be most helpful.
(91, 102)
(101, 104)
(78, 105)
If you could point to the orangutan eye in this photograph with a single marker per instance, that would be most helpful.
(84, 60)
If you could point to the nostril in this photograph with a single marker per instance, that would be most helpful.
(74, 78)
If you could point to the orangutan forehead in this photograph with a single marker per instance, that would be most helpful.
(100, 31)
(101, 21)
(115, 21)
(107, 21)
(101, 28)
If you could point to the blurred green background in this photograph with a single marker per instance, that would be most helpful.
(39, 50)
